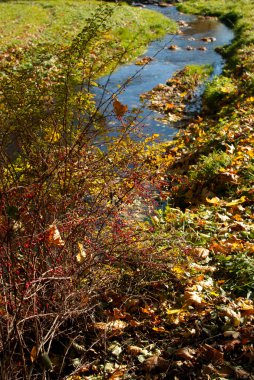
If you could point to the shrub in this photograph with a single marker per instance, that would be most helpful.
(62, 216)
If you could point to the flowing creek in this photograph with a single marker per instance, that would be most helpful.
(165, 64)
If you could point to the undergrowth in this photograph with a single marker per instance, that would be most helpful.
(90, 289)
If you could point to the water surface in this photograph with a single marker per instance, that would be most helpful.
(166, 62)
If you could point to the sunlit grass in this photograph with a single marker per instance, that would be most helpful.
(58, 21)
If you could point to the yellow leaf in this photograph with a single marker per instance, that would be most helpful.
(236, 201)
(54, 237)
(214, 294)
(119, 108)
(82, 253)
(174, 311)
(33, 354)
(52, 135)
(159, 329)
(214, 201)
(169, 106)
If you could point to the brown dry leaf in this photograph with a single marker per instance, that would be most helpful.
(33, 354)
(227, 311)
(147, 310)
(241, 373)
(119, 108)
(203, 268)
(144, 61)
(155, 363)
(118, 313)
(193, 298)
(249, 246)
(228, 177)
(134, 323)
(135, 350)
(113, 326)
(233, 334)
(200, 252)
(222, 371)
(230, 346)
(247, 312)
(54, 237)
(210, 353)
(117, 374)
(186, 353)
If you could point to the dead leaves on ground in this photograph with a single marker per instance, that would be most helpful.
(170, 99)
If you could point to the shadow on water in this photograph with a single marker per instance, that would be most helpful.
(165, 63)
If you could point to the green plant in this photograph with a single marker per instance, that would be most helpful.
(218, 92)
(238, 272)
(63, 200)
(210, 165)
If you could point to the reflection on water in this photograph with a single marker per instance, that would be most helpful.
(166, 62)
(202, 25)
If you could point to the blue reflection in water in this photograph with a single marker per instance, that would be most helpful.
(166, 62)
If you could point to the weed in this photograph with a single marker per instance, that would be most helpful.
(210, 165)
(238, 272)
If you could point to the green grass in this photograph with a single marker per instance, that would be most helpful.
(237, 14)
(57, 22)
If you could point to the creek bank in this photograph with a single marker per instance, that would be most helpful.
(173, 100)
(161, 63)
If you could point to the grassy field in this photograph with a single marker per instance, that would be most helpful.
(56, 22)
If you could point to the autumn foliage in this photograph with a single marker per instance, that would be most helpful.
(121, 257)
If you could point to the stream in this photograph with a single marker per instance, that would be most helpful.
(165, 64)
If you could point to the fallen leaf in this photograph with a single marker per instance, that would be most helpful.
(210, 353)
(118, 374)
(174, 311)
(115, 349)
(236, 201)
(200, 252)
(230, 346)
(214, 201)
(113, 326)
(155, 363)
(186, 353)
(159, 329)
(135, 350)
(241, 373)
(193, 298)
(236, 317)
(223, 371)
